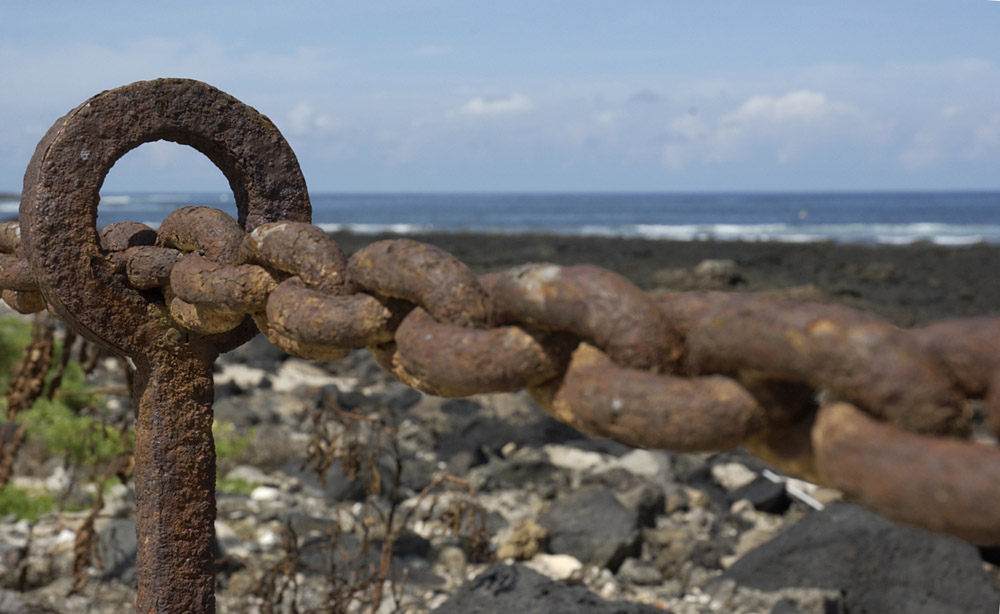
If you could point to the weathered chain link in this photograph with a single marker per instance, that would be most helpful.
(686, 371)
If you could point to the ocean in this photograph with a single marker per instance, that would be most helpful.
(943, 218)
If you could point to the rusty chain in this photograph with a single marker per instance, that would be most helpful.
(688, 371)
(825, 392)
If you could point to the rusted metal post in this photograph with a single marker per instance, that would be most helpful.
(174, 452)
(175, 482)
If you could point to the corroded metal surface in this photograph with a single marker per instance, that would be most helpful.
(242, 288)
(83, 282)
(302, 250)
(650, 410)
(937, 483)
(859, 356)
(597, 305)
(455, 361)
(422, 274)
(120, 236)
(689, 371)
(349, 321)
(147, 266)
(15, 274)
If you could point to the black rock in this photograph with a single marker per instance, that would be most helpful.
(258, 352)
(343, 556)
(336, 487)
(786, 606)
(481, 437)
(252, 408)
(527, 471)
(303, 524)
(410, 544)
(469, 435)
(508, 589)
(594, 527)
(878, 566)
(597, 444)
(764, 495)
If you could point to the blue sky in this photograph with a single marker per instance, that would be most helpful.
(544, 95)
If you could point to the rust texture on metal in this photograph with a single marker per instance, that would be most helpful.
(821, 391)
(148, 266)
(859, 356)
(203, 229)
(937, 483)
(302, 250)
(10, 237)
(120, 236)
(344, 321)
(422, 274)
(650, 410)
(595, 304)
(85, 284)
(239, 289)
(15, 273)
(455, 361)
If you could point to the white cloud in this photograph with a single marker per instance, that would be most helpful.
(986, 136)
(605, 117)
(514, 103)
(433, 51)
(784, 126)
(303, 119)
(802, 106)
(951, 111)
(922, 151)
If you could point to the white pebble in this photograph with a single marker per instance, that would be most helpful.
(265, 493)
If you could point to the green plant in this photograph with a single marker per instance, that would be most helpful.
(229, 444)
(15, 333)
(234, 486)
(82, 440)
(25, 503)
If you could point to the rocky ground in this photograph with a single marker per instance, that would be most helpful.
(491, 506)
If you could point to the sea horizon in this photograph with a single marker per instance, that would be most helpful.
(942, 217)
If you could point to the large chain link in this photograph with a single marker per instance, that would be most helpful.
(825, 392)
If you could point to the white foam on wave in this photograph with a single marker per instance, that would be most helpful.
(952, 241)
(116, 200)
(9, 206)
(374, 229)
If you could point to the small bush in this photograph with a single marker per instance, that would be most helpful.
(24, 503)
(228, 444)
(82, 440)
(234, 486)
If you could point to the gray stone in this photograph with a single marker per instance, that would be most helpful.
(116, 546)
(262, 406)
(528, 470)
(639, 572)
(878, 566)
(677, 550)
(11, 603)
(258, 352)
(594, 527)
(452, 560)
(506, 589)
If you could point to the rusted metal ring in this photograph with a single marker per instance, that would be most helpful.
(62, 189)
